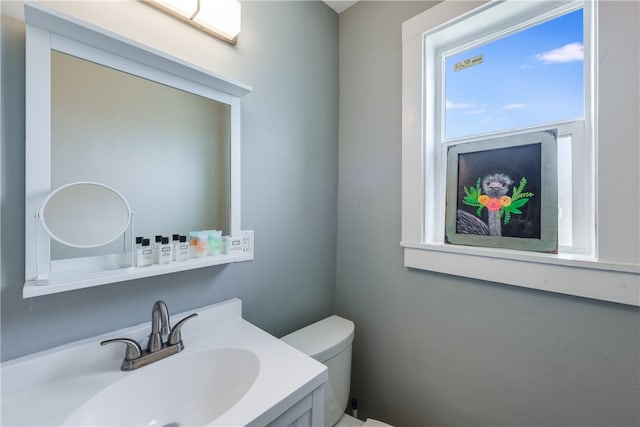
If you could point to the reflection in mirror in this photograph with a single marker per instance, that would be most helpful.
(167, 151)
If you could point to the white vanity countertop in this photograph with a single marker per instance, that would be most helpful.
(44, 389)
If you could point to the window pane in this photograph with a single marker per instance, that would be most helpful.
(565, 191)
(531, 77)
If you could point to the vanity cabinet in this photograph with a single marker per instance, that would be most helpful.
(307, 412)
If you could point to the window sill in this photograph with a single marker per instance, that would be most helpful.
(566, 274)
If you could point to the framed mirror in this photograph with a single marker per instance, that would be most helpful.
(102, 108)
(165, 149)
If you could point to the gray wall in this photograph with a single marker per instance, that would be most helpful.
(288, 53)
(432, 349)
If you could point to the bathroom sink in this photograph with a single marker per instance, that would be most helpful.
(230, 373)
(194, 389)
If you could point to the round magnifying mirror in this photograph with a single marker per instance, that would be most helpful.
(85, 214)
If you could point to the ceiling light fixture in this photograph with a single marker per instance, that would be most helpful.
(220, 18)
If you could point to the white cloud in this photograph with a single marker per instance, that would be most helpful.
(476, 112)
(567, 53)
(514, 106)
(450, 105)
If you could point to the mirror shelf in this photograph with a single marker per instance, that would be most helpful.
(72, 281)
(51, 31)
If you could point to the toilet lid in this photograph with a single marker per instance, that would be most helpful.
(323, 339)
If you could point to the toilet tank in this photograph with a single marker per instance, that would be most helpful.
(329, 342)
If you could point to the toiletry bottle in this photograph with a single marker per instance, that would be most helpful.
(175, 243)
(144, 256)
(156, 248)
(224, 245)
(165, 253)
(139, 242)
(182, 252)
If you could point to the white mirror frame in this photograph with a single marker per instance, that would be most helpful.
(48, 29)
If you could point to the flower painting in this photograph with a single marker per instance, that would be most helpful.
(501, 193)
(501, 208)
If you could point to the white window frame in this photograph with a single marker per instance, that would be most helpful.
(585, 270)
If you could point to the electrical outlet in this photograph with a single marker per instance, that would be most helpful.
(247, 241)
(242, 243)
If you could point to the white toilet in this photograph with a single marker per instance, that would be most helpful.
(329, 342)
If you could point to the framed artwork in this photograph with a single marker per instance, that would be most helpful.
(503, 193)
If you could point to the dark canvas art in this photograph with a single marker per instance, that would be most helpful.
(499, 192)
(503, 193)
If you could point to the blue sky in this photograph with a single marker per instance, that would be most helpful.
(531, 77)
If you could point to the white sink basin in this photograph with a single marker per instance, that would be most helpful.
(230, 373)
(191, 390)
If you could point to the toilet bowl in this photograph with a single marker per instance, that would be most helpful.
(329, 341)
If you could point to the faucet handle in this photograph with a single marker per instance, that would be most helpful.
(176, 337)
(133, 351)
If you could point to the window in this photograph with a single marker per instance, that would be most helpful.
(529, 73)
(527, 77)
(506, 68)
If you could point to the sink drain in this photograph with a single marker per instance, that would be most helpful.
(172, 425)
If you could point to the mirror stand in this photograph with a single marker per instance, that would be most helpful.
(68, 269)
